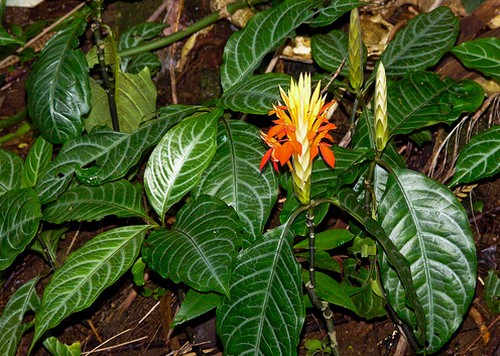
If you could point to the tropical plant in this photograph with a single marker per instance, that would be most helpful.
(411, 248)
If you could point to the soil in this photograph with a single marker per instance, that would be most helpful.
(125, 322)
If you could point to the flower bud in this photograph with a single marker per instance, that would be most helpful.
(355, 49)
(381, 129)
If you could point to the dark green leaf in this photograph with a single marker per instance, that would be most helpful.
(84, 203)
(11, 322)
(196, 304)
(266, 311)
(422, 43)
(263, 33)
(59, 86)
(113, 154)
(430, 227)
(38, 159)
(234, 177)
(87, 272)
(19, 218)
(423, 99)
(256, 94)
(347, 200)
(178, 161)
(10, 167)
(7, 39)
(200, 248)
(328, 14)
(480, 158)
(329, 50)
(482, 54)
(322, 260)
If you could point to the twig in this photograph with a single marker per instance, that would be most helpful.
(311, 284)
(480, 336)
(9, 60)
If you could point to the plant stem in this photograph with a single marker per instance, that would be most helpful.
(23, 129)
(11, 121)
(370, 198)
(311, 285)
(110, 91)
(177, 36)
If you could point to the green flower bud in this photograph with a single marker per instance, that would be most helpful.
(381, 129)
(355, 48)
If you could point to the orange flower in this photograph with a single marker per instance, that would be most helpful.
(301, 132)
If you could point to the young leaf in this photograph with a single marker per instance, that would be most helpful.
(421, 44)
(113, 153)
(330, 49)
(266, 311)
(256, 95)
(38, 159)
(348, 201)
(328, 14)
(83, 203)
(19, 218)
(482, 54)
(176, 164)
(331, 291)
(328, 239)
(480, 158)
(423, 99)
(200, 248)
(87, 272)
(11, 322)
(492, 291)
(59, 87)
(135, 96)
(57, 348)
(430, 227)
(264, 32)
(10, 168)
(196, 304)
(7, 39)
(234, 177)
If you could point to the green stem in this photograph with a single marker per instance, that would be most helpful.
(311, 285)
(11, 121)
(353, 114)
(23, 129)
(370, 199)
(177, 36)
(96, 28)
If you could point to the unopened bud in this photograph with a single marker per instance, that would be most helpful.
(355, 49)
(381, 128)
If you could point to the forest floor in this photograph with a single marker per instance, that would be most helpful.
(124, 322)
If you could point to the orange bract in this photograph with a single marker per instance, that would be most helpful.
(300, 133)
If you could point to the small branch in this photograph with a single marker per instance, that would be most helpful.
(96, 28)
(177, 36)
(311, 284)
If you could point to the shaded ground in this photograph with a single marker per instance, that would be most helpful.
(122, 316)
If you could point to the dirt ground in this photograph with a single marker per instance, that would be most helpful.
(124, 322)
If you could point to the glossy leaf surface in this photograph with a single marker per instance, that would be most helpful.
(57, 348)
(85, 203)
(423, 99)
(19, 218)
(11, 322)
(200, 248)
(430, 228)
(328, 14)
(480, 158)
(266, 313)
(109, 154)
(421, 44)
(256, 94)
(262, 34)
(10, 168)
(86, 273)
(482, 54)
(38, 159)
(177, 162)
(59, 86)
(196, 304)
(234, 177)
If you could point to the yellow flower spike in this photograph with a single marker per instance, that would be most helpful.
(381, 128)
(301, 132)
(355, 51)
